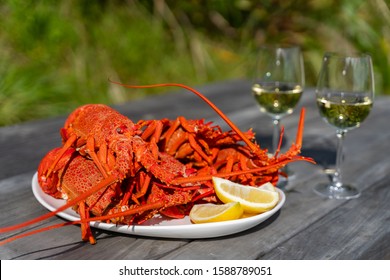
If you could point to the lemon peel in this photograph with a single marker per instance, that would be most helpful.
(252, 199)
(207, 213)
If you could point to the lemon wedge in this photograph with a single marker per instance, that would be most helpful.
(252, 199)
(207, 213)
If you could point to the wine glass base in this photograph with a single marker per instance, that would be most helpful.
(334, 192)
(282, 183)
(289, 172)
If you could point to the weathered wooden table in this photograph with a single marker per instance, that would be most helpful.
(307, 226)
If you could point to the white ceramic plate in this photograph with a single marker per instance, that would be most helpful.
(160, 226)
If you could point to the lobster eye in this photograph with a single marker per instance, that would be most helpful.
(121, 129)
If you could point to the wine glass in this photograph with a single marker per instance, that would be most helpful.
(278, 84)
(345, 95)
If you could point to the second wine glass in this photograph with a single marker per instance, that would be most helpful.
(278, 84)
(345, 94)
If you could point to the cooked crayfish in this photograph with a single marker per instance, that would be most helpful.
(112, 169)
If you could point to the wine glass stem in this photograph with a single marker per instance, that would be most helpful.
(276, 135)
(337, 181)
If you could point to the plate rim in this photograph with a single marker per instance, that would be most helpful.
(189, 231)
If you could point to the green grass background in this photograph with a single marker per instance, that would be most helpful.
(56, 55)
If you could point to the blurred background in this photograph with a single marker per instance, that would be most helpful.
(58, 54)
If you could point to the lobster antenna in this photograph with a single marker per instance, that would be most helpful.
(204, 98)
(104, 183)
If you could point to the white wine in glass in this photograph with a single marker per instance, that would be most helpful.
(345, 95)
(278, 84)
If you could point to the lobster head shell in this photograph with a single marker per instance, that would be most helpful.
(99, 120)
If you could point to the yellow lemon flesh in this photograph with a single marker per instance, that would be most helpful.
(207, 213)
(252, 199)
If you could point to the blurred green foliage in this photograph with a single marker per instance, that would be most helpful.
(56, 55)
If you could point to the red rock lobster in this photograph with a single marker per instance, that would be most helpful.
(111, 169)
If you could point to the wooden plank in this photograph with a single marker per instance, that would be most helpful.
(22, 146)
(359, 229)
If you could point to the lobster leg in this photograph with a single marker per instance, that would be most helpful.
(192, 140)
(280, 142)
(299, 137)
(63, 150)
(195, 179)
(86, 233)
(91, 151)
(198, 149)
(295, 147)
(173, 127)
(153, 130)
(144, 187)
